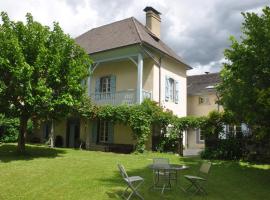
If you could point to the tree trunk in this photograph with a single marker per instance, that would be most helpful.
(180, 144)
(22, 134)
(52, 135)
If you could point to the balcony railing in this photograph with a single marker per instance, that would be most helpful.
(120, 97)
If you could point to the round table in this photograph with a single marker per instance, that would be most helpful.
(171, 168)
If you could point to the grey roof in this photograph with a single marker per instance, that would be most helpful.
(204, 83)
(122, 33)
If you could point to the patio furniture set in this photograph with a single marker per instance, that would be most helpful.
(164, 174)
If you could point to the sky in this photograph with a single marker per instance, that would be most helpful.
(197, 30)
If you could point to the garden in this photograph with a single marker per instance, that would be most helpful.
(46, 173)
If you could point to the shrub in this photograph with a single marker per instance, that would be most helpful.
(9, 129)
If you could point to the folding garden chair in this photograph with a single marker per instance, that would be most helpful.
(133, 183)
(196, 181)
(162, 174)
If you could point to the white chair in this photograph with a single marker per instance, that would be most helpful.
(133, 183)
(196, 181)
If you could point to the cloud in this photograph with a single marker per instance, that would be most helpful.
(197, 30)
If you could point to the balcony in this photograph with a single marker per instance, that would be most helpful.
(121, 97)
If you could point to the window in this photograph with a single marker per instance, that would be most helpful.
(204, 100)
(105, 84)
(199, 136)
(103, 131)
(105, 87)
(171, 89)
(233, 130)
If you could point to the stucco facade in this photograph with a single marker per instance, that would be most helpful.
(176, 71)
(194, 108)
(200, 102)
(130, 63)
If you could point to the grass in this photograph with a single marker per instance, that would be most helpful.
(73, 174)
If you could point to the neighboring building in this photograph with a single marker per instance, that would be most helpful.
(131, 63)
(201, 99)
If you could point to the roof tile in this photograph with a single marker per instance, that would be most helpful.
(122, 33)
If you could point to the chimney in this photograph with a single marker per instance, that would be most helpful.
(153, 20)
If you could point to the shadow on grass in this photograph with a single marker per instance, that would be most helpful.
(8, 152)
(235, 176)
(117, 184)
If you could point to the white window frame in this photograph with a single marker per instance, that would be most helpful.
(172, 89)
(199, 136)
(105, 84)
(103, 131)
(233, 129)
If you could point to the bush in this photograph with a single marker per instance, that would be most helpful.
(234, 145)
(9, 129)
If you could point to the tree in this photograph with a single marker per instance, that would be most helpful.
(245, 87)
(41, 72)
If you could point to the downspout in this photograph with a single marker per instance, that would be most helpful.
(159, 78)
(159, 67)
(218, 106)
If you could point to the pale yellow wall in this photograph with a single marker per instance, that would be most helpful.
(123, 134)
(176, 71)
(85, 130)
(60, 128)
(126, 74)
(153, 23)
(156, 83)
(148, 74)
(196, 109)
(192, 140)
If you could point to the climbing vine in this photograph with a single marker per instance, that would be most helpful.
(141, 118)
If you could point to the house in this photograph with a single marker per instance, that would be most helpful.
(131, 63)
(202, 98)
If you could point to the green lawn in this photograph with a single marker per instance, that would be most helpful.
(73, 174)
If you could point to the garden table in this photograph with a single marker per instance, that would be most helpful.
(169, 170)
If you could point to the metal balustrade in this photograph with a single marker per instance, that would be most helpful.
(120, 97)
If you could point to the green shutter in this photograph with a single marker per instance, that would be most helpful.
(176, 91)
(97, 86)
(97, 89)
(167, 95)
(110, 132)
(113, 83)
(94, 131)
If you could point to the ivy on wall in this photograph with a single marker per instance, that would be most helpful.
(141, 118)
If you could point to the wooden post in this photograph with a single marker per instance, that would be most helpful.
(139, 79)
